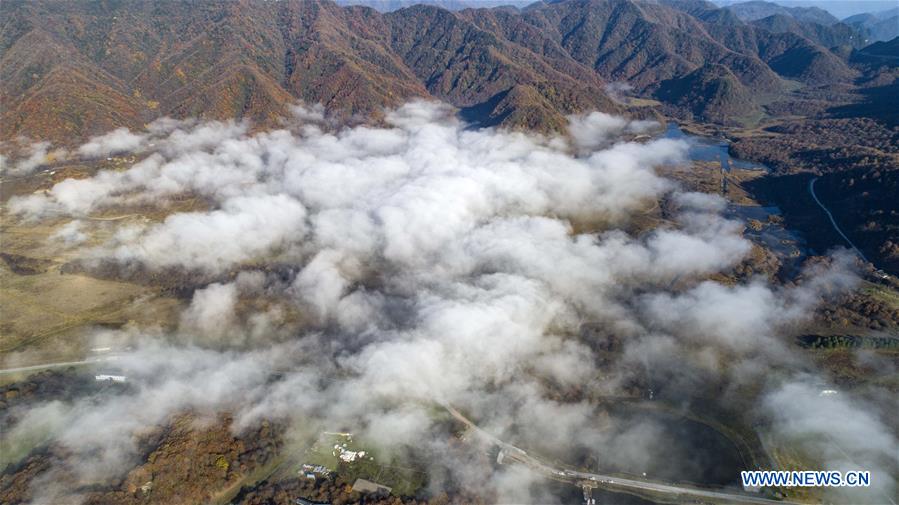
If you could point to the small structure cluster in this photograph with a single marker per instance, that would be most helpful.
(313, 471)
(341, 451)
(110, 378)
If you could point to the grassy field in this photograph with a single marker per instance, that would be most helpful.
(48, 309)
(642, 102)
(392, 472)
(323, 452)
(882, 293)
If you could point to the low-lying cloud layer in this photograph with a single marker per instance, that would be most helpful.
(416, 264)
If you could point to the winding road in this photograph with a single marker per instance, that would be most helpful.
(811, 189)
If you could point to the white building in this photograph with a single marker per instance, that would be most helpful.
(110, 378)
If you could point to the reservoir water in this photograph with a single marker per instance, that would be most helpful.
(766, 230)
(710, 149)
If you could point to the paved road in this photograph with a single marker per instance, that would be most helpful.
(658, 487)
(811, 189)
(510, 452)
(62, 364)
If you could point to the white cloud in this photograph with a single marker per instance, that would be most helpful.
(244, 228)
(29, 156)
(117, 141)
(597, 129)
(419, 262)
(70, 234)
(842, 433)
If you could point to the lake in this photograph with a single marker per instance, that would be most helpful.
(709, 149)
(786, 244)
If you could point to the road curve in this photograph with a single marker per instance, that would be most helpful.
(608, 481)
(811, 189)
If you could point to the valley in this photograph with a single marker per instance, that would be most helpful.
(778, 253)
(577, 251)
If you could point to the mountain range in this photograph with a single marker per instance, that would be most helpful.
(757, 9)
(73, 69)
(869, 27)
(880, 25)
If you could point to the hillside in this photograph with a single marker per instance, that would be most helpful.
(641, 43)
(831, 35)
(73, 69)
(877, 26)
(215, 60)
(472, 68)
(757, 9)
(710, 92)
(450, 252)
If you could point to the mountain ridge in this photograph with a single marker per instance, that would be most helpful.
(759, 9)
(71, 70)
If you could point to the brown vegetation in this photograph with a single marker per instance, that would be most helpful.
(70, 70)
